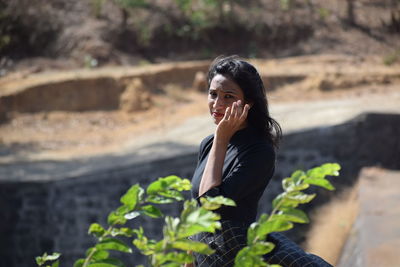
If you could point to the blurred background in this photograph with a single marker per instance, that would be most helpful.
(71, 34)
(96, 95)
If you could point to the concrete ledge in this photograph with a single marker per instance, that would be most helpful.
(375, 238)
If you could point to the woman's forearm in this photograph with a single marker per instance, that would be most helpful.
(234, 120)
(212, 175)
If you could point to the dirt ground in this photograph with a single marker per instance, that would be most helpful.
(62, 135)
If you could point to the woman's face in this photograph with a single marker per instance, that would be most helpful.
(221, 94)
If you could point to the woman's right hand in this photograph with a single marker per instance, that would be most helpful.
(234, 119)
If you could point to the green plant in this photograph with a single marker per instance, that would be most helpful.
(391, 58)
(284, 212)
(285, 4)
(90, 62)
(41, 260)
(97, 7)
(172, 249)
(323, 13)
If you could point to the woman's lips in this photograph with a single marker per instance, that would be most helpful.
(217, 114)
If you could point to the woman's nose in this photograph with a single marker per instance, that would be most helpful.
(219, 102)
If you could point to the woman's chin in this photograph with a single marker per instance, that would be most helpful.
(216, 120)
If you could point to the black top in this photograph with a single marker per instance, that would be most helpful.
(248, 167)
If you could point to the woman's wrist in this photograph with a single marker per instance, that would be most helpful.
(221, 140)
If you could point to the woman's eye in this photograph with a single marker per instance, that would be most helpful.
(212, 94)
(228, 96)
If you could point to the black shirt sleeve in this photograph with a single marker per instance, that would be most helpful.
(251, 173)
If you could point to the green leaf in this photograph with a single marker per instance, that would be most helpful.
(111, 262)
(146, 246)
(124, 231)
(132, 215)
(158, 199)
(176, 257)
(96, 229)
(273, 225)
(131, 197)
(301, 198)
(115, 218)
(320, 182)
(282, 200)
(171, 264)
(293, 215)
(188, 245)
(252, 230)
(139, 232)
(162, 184)
(151, 211)
(40, 260)
(261, 248)
(172, 194)
(213, 203)
(297, 177)
(98, 254)
(243, 258)
(246, 258)
(79, 263)
(122, 210)
(289, 186)
(53, 256)
(287, 183)
(320, 172)
(113, 244)
(55, 264)
(301, 186)
(168, 187)
(197, 219)
(179, 184)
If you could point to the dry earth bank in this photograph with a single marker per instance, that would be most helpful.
(161, 99)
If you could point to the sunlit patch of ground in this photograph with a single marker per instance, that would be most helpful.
(331, 226)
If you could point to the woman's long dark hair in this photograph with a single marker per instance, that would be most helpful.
(246, 76)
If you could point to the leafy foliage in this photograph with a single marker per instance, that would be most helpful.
(284, 212)
(173, 248)
(41, 260)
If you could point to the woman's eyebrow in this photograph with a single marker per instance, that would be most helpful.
(226, 91)
(229, 91)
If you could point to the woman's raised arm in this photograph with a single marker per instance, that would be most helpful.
(234, 119)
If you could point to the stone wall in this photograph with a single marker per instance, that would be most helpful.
(54, 215)
(371, 139)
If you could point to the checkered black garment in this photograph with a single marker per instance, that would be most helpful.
(232, 237)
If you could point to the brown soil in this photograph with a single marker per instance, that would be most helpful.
(331, 225)
(62, 135)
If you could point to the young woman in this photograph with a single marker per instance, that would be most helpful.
(237, 162)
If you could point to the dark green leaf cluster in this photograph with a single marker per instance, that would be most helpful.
(173, 249)
(284, 212)
(135, 202)
(41, 260)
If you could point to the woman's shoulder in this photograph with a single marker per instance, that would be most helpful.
(250, 138)
(205, 144)
(262, 148)
(206, 141)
